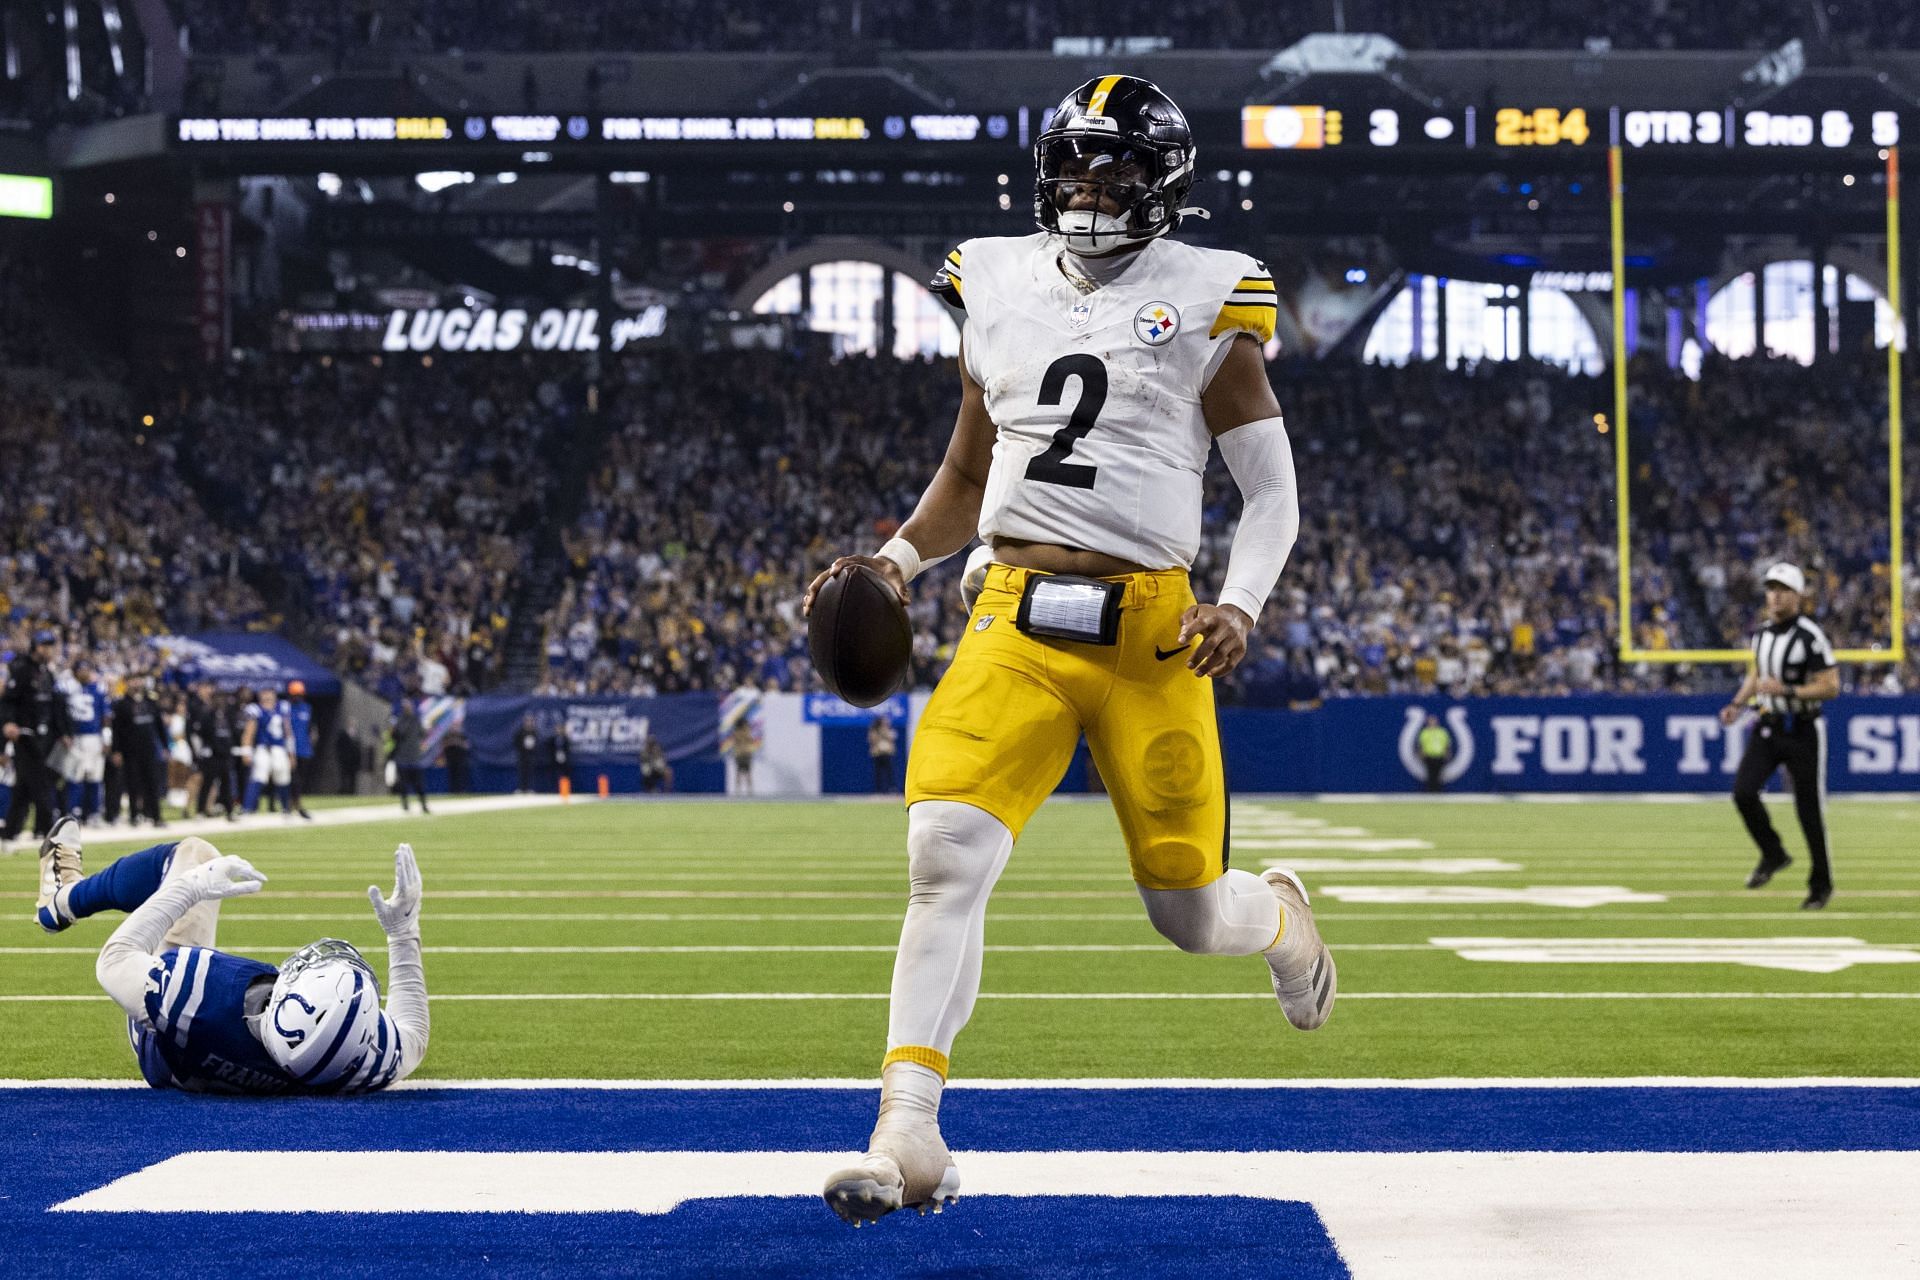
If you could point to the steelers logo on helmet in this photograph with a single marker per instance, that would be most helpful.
(1156, 323)
(1113, 166)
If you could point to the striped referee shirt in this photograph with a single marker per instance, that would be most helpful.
(1792, 653)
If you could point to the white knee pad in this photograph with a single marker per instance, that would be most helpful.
(1235, 915)
(954, 851)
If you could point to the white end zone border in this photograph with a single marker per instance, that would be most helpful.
(1421, 1214)
(1115, 1082)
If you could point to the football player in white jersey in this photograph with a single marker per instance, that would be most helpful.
(1101, 363)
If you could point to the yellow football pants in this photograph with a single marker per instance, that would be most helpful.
(1001, 727)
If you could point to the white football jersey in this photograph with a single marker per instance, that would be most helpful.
(1096, 397)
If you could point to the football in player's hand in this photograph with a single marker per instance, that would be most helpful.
(859, 637)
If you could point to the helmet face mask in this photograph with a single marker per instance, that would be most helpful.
(1113, 167)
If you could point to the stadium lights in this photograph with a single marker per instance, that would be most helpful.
(506, 179)
(25, 197)
(441, 179)
(109, 197)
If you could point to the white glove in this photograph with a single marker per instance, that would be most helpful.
(975, 577)
(399, 915)
(227, 876)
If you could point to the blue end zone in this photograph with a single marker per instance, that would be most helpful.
(1137, 1239)
(60, 1143)
(1862, 1118)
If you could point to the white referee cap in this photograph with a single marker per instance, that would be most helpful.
(1788, 576)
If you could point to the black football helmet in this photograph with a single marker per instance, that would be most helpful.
(1127, 127)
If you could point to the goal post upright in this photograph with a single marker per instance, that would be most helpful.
(1897, 642)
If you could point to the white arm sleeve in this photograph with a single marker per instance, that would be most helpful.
(407, 1002)
(132, 952)
(1261, 460)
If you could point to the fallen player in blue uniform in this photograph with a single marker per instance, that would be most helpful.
(204, 1020)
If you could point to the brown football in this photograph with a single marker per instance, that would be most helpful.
(859, 637)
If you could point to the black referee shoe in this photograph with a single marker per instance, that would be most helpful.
(1816, 900)
(1765, 872)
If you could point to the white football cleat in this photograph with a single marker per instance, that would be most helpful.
(59, 867)
(907, 1166)
(1304, 979)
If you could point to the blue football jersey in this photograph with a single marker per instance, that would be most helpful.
(196, 1035)
(88, 705)
(269, 727)
(300, 723)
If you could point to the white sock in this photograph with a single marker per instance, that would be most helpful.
(909, 1091)
(1236, 915)
(955, 853)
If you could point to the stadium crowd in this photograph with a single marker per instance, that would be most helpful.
(336, 26)
(1459, 527)
(1459, 524)
(727, 478)
(101, 540)
(400, 498)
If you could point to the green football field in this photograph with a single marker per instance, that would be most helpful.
(721, 940)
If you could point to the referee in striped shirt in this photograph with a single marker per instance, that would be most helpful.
(1793, 674)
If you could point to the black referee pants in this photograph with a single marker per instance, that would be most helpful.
(1799, 743)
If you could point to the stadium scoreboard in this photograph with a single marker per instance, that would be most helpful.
(1349, 128)
(1560, 127)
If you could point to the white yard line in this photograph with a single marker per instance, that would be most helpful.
(1185, 996)
(345, 816)
(1103, 1083)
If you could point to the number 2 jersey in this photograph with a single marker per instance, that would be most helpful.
(1101, 443)
(194, 1035)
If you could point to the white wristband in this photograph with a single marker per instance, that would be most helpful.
(903, 554)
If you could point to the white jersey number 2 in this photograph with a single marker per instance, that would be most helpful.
(1052, 466)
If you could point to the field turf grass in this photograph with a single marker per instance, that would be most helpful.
(772, 900)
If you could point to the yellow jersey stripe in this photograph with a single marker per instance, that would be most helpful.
(1097, 104)
(1254, 318)
(954, 257)
(1254, 284)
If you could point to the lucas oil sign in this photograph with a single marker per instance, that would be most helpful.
(513, 329)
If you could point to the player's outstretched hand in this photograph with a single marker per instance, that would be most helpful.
(227, 876)
(399, 915)
(885, 568)
(1223, 632)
